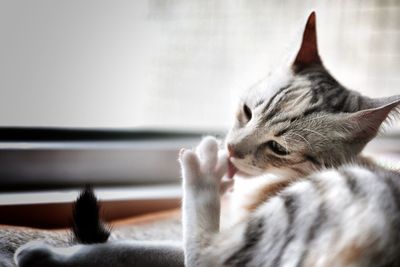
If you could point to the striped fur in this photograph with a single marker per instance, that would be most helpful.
(313, 117)
(346, 216)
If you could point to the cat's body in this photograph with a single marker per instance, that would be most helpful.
(347, 216)
(329, 206)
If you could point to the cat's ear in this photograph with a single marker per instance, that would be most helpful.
(365, 124)
(308, 53)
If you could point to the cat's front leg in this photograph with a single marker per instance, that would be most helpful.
(202, 172)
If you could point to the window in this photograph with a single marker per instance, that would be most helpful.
(175, 64)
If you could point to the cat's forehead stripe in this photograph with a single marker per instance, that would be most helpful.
(259, 103)
(286, 94)
(281, 132)
(269, 103)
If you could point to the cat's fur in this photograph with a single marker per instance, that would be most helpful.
(329, 206)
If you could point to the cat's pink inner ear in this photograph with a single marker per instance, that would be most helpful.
(367, 122)
(308, 53)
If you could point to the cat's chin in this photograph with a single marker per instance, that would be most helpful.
(237, 167)
(246, 175)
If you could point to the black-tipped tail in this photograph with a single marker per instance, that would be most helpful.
(87, 226)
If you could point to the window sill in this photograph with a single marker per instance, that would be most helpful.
(53, 209)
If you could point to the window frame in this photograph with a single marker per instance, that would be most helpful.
(59, 158)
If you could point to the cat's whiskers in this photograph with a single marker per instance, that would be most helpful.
(318, 118)
(302, 137)
(286, 144)
(317, 133)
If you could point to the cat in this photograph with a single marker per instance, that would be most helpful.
(325, 206)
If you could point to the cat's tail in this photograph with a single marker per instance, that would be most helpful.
(88, 227)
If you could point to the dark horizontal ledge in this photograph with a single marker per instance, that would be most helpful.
(43, 134)
(59, 158)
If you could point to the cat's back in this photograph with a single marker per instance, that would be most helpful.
(337, 217)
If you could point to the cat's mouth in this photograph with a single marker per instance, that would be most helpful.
(237, 166)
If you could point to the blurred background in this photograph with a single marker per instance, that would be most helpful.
(106, 92)
(175, 64)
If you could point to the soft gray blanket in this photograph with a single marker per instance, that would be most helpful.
(166, 227)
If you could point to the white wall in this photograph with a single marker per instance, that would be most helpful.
(177, 63)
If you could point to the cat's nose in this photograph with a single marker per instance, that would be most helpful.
(231, 150)
(234, 151)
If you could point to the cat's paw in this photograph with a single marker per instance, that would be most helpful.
(35, 254)
(205, 167)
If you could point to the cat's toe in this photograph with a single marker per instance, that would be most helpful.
(190, 166)
(207, 146)
(207, 151)
(34, 254)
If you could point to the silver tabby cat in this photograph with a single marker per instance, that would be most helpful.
(326, 206)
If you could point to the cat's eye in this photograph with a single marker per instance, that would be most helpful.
(276, 148)
(247, 112)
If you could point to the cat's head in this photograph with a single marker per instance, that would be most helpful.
(300, 118)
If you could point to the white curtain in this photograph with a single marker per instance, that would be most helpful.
(176, 64)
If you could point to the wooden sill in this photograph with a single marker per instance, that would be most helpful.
(52, 210)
